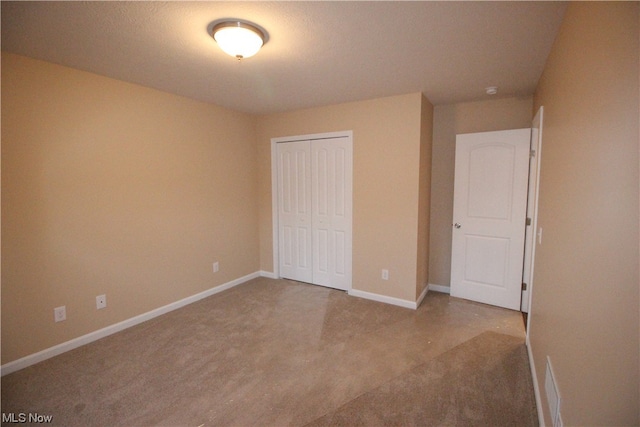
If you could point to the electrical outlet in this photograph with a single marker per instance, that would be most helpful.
(60, 313)
(385, 274)
(216, 267)
(101, 301)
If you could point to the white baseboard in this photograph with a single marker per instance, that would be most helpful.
(422, 295)
(50, 352)
(268, 274)
(536, 388)
(440, 288)
(370, 295)
(383, 298)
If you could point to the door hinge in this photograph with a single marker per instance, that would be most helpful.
(528, 221)
(532, 153)
(524, 286)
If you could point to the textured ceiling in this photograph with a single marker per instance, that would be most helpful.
(318, 53)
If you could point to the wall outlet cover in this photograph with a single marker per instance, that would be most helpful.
(60, 313)
(101, 301)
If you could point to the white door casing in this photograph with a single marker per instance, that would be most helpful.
(490, 201)
(532, 208)
(312, 208)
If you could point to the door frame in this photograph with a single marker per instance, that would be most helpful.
(274, 190)
(533, 196)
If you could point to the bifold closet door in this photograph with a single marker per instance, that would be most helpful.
(294, 210)
(331, 212)
(314, 211)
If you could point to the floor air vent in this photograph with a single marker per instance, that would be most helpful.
(553, 397)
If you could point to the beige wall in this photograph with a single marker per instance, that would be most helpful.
(386, 179)
(424, 196)
(112, 188)
(585, 291)
(449, 120)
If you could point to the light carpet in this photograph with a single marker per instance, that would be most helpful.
(276, 352)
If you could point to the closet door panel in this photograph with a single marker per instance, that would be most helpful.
(331, 212)
(294, 210)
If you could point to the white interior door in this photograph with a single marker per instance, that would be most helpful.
(489, 213)
(314, 210)
(331, 212)
(294, 210)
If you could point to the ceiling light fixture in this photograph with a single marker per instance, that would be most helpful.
(238, 39)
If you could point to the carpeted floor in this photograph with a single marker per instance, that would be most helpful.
(276, 352)
(481, 382)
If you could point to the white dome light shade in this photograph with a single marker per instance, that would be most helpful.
(238, 39)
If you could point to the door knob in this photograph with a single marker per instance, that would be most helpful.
(457, 225)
